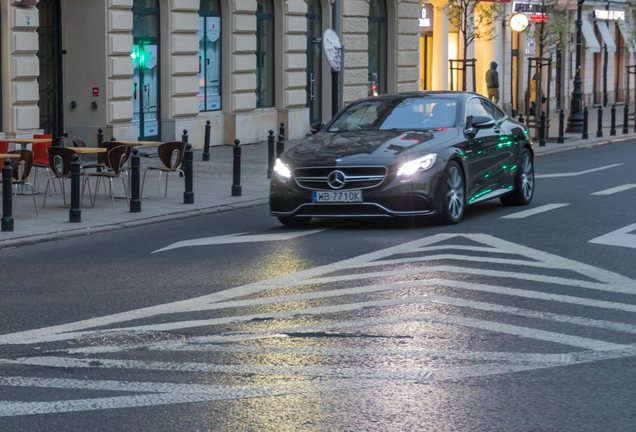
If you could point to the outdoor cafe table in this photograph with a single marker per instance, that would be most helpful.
(87, 150)
(11, 155)
(23, 142)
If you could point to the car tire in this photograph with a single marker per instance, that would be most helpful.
(294, 222)
(523, 184)
(454, 195)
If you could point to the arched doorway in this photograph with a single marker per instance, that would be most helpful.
(145, 55)
(314, 60)
(378, 45)
(50, 56)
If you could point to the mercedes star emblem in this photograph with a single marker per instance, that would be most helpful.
(336, 179)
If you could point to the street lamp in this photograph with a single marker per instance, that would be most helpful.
(575, 119)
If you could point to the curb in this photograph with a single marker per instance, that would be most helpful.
(564, 147)
(23, 241)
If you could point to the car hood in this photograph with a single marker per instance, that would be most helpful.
(373, 146)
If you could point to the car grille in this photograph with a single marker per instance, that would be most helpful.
(356, 177)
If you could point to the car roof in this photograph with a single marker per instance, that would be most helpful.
(425, 93)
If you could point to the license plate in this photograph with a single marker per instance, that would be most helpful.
(350, 196)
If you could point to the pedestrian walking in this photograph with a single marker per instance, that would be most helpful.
(533, 96)
(492, 82)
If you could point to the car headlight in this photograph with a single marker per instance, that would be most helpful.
(419, 164)
(282, 170)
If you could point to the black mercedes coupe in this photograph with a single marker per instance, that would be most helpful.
(405, 155)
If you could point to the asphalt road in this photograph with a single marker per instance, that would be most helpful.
(517, 319)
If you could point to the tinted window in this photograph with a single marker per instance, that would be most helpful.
(493, 110)
(407, 114)
(475, 108)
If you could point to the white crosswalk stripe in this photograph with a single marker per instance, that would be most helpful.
(393, 294)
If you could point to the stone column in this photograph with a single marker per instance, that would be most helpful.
(440, 45)
(485, 53)
(355, 36)
(408, 41)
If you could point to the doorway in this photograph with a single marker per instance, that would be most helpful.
(145, 55)
(50, 56)
(314, 61)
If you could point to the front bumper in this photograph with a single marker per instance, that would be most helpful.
(392, 198)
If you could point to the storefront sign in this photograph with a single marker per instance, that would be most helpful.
(529, 8)
(609, 15)
(426, 16)
(95, 91)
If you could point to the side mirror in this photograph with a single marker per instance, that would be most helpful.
(483, 122)
(315, 127)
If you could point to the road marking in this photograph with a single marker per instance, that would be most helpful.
(616, 189)
(574, 174)
(533, 211)
(620, 237)
(238, 238)
(408, 298)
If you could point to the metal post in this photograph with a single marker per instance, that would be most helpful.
(271, 153)
(575, 120)
(206, 142)
(7, 196)
(599, 131)
(586, 114)
(613, 127)
(626, 119)
(280, 145)
(236, 172)
(75, 213)
(561, 140)
(188, 157)
(135, 199)
(100, 142)
(342, 66)
(281, 130)
(184, 138)
(542, 130)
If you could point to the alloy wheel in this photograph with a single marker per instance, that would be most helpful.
(527, 177)
(455, 194)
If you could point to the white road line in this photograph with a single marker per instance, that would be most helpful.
(616, 189)
(533, 211)
(608, 281)
(347, 372)
(620, 237)
(574, 174)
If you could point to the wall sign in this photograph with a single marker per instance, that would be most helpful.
(609, 15)
(95, 91)
(426, 16)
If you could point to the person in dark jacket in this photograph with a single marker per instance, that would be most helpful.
(492, 82)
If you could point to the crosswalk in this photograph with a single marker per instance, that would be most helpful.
(445, 307)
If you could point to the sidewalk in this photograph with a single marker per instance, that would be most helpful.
(212, 192)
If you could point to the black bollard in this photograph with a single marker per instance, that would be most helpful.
(281, 130)
(188, 157)
(561, 140)
(135, 199)
(542, 130)
(7, 196)
(100, 141)
(586, 115)
(599, 131)
(113, 139)
(271, 153)
(626, 119)
(520, 118)
(280, 145)
(206, 142)
(613, 124)
(184, 137)
(75, 213)
(236, 172)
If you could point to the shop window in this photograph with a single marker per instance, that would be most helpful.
(264, 53)
(209, 55)
(146, 76)
(378, 44)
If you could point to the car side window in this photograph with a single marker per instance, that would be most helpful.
(493, 110)
(474, 108)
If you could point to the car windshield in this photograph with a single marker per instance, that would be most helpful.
(409, 113)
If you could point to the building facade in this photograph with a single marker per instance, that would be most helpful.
(148, 69)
